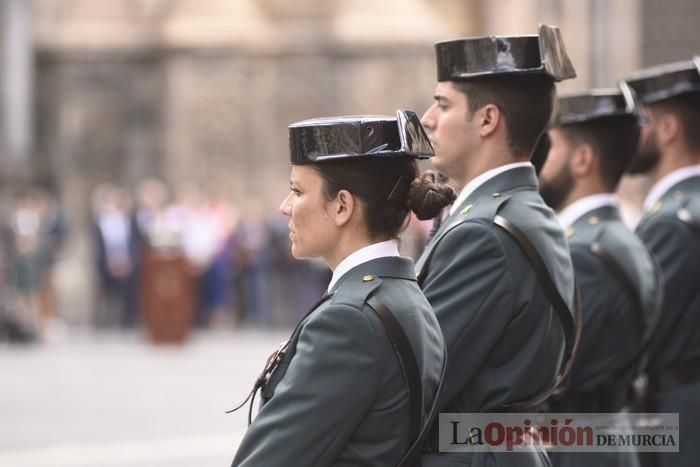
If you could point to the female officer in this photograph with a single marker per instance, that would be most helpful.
(344, 390)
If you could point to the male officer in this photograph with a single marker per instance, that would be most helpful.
(497, 272)
(593, 140)
(670, 153)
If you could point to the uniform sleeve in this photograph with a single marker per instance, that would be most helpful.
(603, 303)
(667, 241)
(469, 285)
(329, 386)
(671, 244)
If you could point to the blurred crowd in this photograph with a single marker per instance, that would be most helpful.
(235, 259)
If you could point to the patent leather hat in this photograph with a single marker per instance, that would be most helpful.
(666, 81)
(596, 104)
(332, 138)
(474, 57)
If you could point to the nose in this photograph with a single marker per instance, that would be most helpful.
(428, 119)
(286, 206)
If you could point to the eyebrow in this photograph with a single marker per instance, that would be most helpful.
(440, 98)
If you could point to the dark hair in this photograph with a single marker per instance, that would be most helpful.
(614, 139)
(389, 189)
(686, 108)
(525, 101)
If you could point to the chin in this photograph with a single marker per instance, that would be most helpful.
(299, 253)
(436, 162)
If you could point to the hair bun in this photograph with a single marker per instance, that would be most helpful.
(427, 196)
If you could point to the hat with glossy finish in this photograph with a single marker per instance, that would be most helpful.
(595, 104)
(331, 138)
(666, 81)
(473, 57)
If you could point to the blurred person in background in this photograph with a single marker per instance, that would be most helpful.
(155, 229)
(205, 231)
(341, 391)
(54, 230)
(283, 290)
(115, 250)
(226, 219)
(669, 152)
(253, 260)
(593, 140)
(25, 256)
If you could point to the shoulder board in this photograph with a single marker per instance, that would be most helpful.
(689, 214)
(357, 292)
(484, 210)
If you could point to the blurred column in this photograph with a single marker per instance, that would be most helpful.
(16, 81)
(614, 40)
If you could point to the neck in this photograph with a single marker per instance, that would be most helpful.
(345, 247)
(482, 163)
(672, 161)
(583, 190)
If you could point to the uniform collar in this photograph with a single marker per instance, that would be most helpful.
(664, 185)
(375, 250)
(579, 208)
(481, 180)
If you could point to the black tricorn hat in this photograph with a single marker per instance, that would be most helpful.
(595, 104)
(332, 138)
(666, 81)
(472, 57)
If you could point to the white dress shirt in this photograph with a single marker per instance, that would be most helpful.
(476, 182)
(666, 183)
(580, 207)
(364, 254)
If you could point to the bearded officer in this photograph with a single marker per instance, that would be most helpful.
(593, 139)
(669, 153)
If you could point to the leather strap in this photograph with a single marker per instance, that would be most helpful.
(407, 362)
(645, 335)
(571, 323)
(418, 431)
(618, 271)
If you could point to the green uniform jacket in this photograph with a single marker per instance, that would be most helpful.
(338, 397)
(676, 246)
(613, 325)
(504, 341)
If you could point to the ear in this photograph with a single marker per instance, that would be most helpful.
(343, 207)
(489, 118)
(584, 160)
(668, 128)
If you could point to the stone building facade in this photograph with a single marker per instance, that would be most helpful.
(203, 90)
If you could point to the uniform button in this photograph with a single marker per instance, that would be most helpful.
(684, 215)
(593, 220)
(467, 208)
(367, 278)
(569, 232)
(496, 195)
(656, 206)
